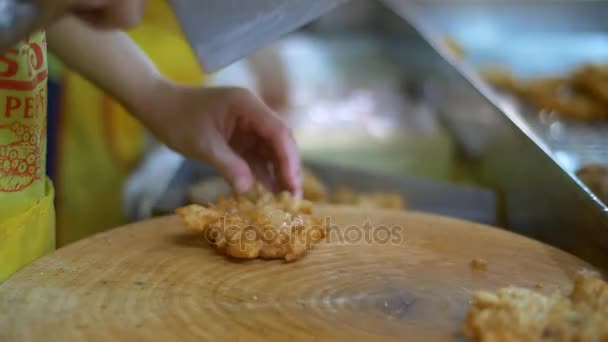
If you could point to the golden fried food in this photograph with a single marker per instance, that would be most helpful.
(499, 76)
(312, 188)
(593, 80)
(208, 190)
(518, 314)
(257, 225)
(381, 200)
(344, 195)
(479, 264)
(582, 95)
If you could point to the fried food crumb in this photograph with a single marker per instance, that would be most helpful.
(479, 264)
(519, 314)
(257, 225)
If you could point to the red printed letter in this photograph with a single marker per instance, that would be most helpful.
(29, 105)
(37, 57)
(11, 103)
(8, 59)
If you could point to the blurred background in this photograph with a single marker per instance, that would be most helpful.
(442, 92)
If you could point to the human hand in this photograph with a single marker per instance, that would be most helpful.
(109, 14)
(24, 17)
(230, 128)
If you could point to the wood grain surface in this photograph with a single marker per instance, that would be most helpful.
(156, 281)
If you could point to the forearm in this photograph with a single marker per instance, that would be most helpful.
(109, 59)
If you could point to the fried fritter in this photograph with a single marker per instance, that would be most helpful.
(582, 95)
(383, 200)
(312, 188)
(257, 225)
(518, 314)
(208, 190)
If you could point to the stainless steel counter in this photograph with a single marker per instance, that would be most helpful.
(529, 159)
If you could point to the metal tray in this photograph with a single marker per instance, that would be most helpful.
(514, 150)
(532, 39)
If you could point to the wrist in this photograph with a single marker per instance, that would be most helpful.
(151, 98)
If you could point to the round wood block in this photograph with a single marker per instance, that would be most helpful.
(381, 275)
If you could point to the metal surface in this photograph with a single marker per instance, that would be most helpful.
(470, 203)
(222, 32)
(541, 198)
(534, 40)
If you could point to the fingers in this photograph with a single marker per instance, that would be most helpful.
(111, 14)
(232, 167)
(278, 137)
(263, 172)
(286, 156)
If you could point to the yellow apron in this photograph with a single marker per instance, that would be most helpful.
(27, 225)
(100, 143)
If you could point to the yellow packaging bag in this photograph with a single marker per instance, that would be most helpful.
(100, 143)
(26, 208)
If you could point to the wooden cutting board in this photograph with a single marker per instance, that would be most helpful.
(156, 281)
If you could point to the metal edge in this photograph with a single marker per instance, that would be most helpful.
(472, 76)
(580, 223)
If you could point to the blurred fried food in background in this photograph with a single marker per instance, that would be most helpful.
(381, 200)
(581, 95)
(314, 190)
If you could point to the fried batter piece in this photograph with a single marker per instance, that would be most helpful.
(499, 77)
(312, 188)
(208, 190)
(518, 314)
(257, 225)
(582, 95)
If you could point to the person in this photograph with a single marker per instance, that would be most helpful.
(110, 156)
(229, 128)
